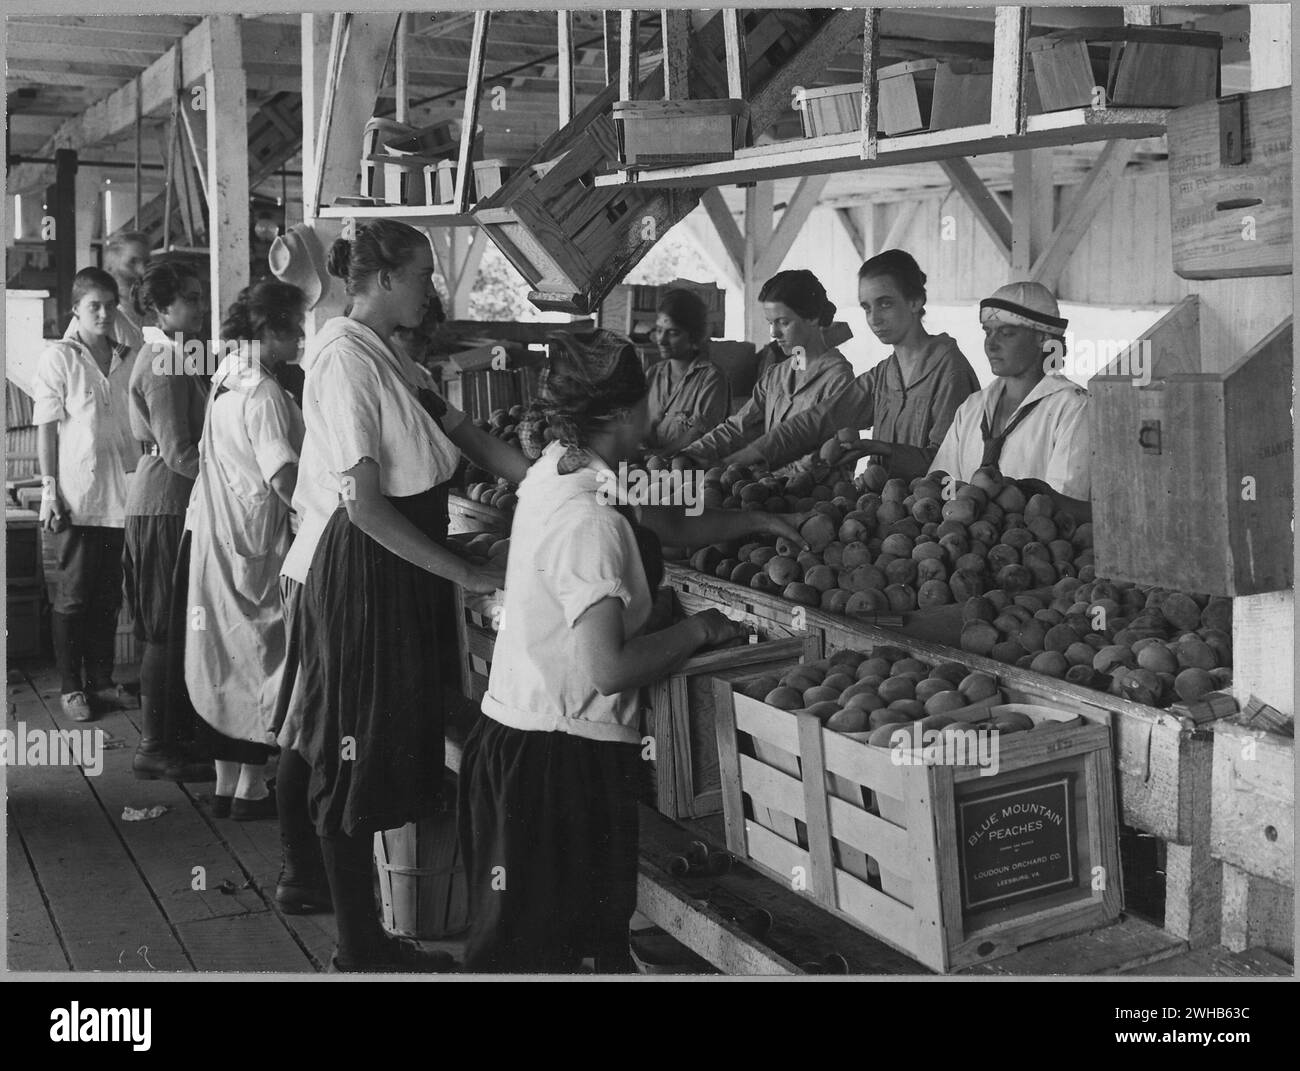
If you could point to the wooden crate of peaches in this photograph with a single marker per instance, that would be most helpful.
(878, 544)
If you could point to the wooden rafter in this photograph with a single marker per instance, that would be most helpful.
(850, 224)
(733, 32)
(797, 210)
(988, 210)
(1088, 200)
(724, 225)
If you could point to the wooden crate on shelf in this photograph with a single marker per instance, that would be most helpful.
(658, 133)
(1196, 466)
(1230, 164)
(1252, 831)
(830, 110)
(906, 95)
(954, 896)
(680, 719)
(1135, 66)
(963, 94)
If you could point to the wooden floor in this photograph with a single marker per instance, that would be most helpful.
(89, 891)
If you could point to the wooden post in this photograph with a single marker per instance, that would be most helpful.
(315, 58)
(1008, 108)
(737, 61)
(228, 215)
(758, 233)
(629, 55)
(564, 31)
(870, 64)
(610, 26)
(400, 65)
(88, 216)
(64, 211)
(1032, 205)
(469, 118)
(676, 24)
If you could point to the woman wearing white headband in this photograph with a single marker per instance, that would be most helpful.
(1029, 424)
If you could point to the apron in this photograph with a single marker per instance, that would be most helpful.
(233, 664)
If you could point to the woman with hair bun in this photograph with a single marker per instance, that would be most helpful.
(688, 392)
(362, 720)
(168, 399)
(798, 310)
(548, 778)
(908, 400)
(238, 537)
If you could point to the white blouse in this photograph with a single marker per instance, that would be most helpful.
(360, 401)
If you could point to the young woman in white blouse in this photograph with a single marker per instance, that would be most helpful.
(364, 714)
(548, 780)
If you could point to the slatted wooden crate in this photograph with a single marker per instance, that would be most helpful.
(680, 720)
(951, 900)
(568, 238)
(1196, 465)
(1136, 66)
(1230, 166)
(830, 110)
(468, 516)
(906, 95)
(664, 133)
(476, 625)
(1252, 831)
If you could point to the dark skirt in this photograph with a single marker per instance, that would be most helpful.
(152, 545)
(185, 724)
(548, 831)
(373, 637)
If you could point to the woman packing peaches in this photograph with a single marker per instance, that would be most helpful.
(548, 780)
(908, 400)
(688, 392)
(798, 310)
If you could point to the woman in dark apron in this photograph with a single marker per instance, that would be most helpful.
(373, 614)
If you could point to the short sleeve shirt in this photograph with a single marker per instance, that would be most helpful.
(97, 451)
(568, 551)
(360, 402)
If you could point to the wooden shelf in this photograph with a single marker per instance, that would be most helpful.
(843, 152)
(415, 215)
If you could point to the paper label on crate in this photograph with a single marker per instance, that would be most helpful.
(1016, 843)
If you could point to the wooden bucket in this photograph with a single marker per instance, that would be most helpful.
(422, 886)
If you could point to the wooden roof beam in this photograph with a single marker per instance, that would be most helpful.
(117, 112)
(988, 210)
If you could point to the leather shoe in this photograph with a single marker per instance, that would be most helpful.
(115, 697)
(165, 766)
(251, 810)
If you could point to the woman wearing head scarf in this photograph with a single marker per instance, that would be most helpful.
(362, 720)
(798, 310)
(688, 392)
(548, 780)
